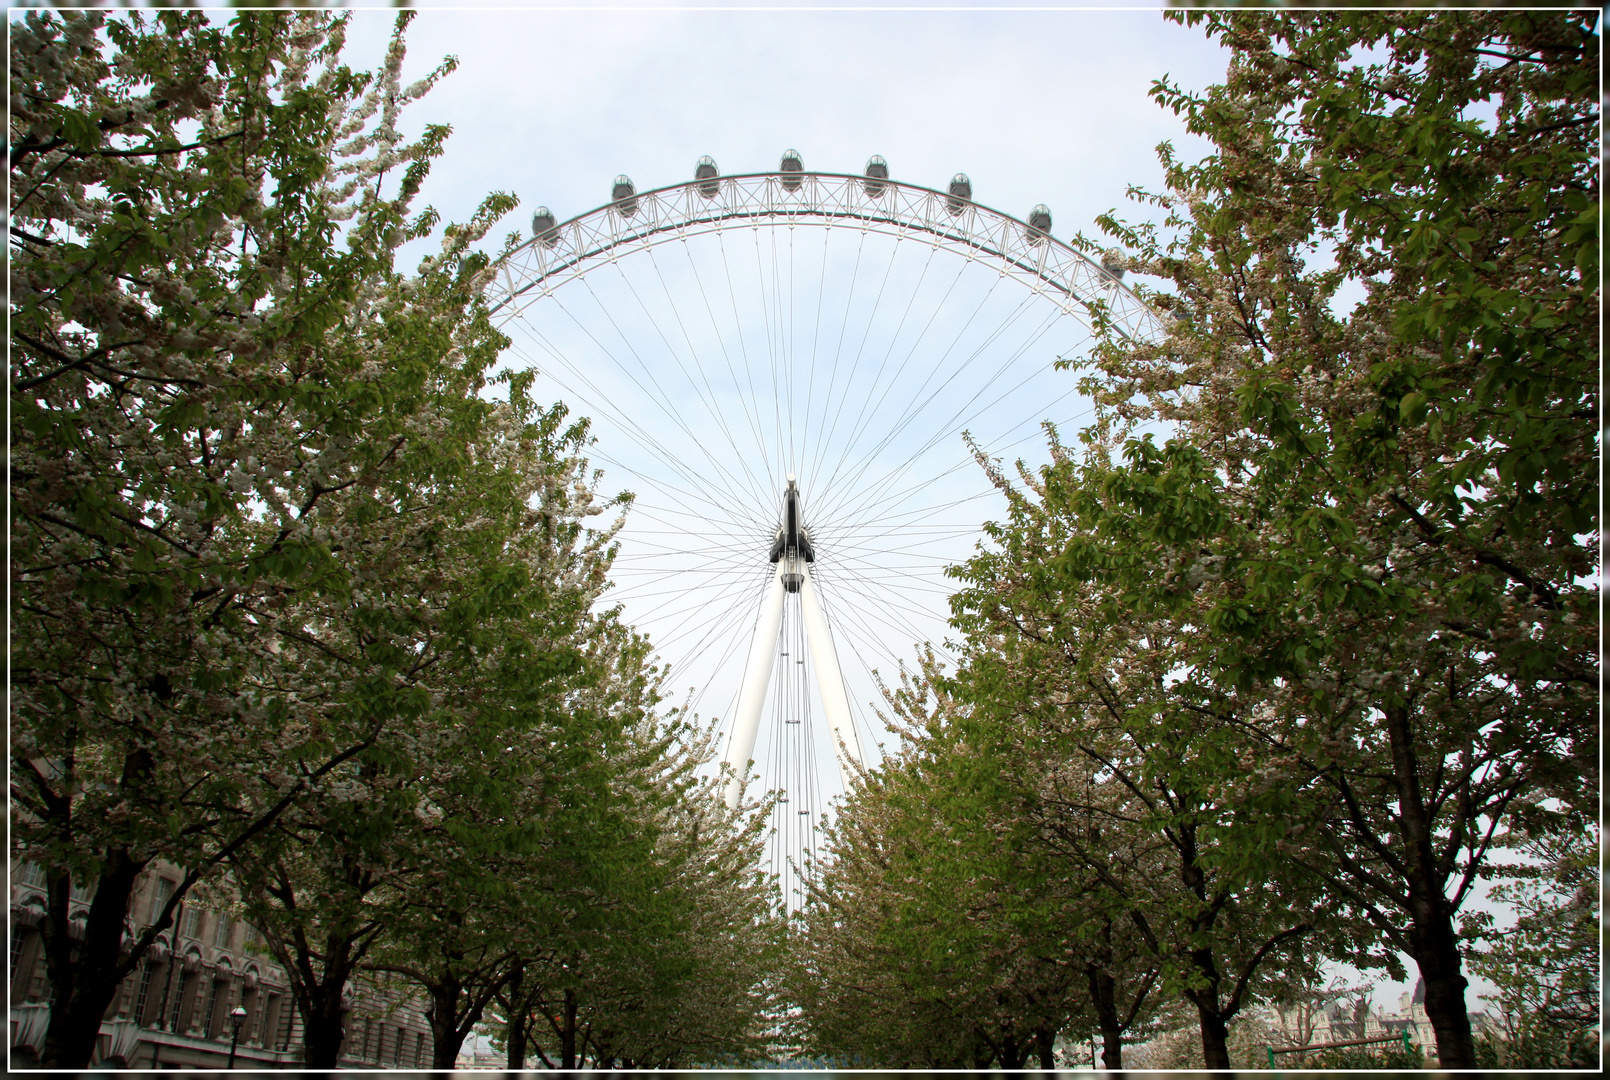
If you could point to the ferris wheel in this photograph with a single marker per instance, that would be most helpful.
(785, 368)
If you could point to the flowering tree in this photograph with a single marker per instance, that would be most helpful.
(498, 588)
(570, 898)
(235, 434)
(942, 930)
(1122, 763)
(1546, 965)
(1378, 521)
(671, 963)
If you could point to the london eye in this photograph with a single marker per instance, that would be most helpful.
(790, 371)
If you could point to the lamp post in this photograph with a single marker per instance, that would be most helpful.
(237, 1015)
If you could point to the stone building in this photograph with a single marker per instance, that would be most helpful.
(174, 1010)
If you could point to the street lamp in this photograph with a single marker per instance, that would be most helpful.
(237, 1016)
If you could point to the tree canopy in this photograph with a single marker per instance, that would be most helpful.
(301, 590)
(1272, 669)
(1309, 618)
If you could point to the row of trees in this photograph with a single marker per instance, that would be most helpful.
(1290, 686)
(303, 598)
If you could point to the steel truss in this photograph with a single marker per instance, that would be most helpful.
(1085, 288)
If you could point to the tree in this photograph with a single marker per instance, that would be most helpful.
(1120, 757)
(1380, 517)
(941, 932)
(512, 816)
(227, 410)
(656, 936)
(1546, 966)
(502, 571)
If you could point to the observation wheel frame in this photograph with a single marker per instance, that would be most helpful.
(1084, 287)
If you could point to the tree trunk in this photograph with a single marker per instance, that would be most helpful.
(516, 1040)
(317, 989)
(444, 1033)
(516, 1018)
(1436, 951)
(1103, 996)
(1215, 1039)
(1015, 1051)
(1432, 940)
(84, 976)
(1214, 1019)
(567, 1040)
(1045, 1041)
(323, 1025)
(1112, 1050)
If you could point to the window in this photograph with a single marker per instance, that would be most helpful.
(159, 898)
(271, 1022)
(186, 984)
(31, 873)
(223, 931)
(396, 1053)
(210, 1017)
(144, 994)
(419, 1048)
(192, 922)
(250, 1000)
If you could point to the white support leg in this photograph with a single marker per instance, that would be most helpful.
(757, 674)
(829, 679)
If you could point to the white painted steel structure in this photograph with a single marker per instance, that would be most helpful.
(794, 557)
(690, 322)
(564, 252)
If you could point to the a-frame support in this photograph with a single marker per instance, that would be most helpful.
(793, 555)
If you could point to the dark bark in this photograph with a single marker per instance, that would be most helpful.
(1112, 1050)
(84, 977)
(1216, 1050)
(1045, 1046)
(319, 976)
(459, 995)
(1433, 941)
(518, 1000)
(445, 1039)
(1103, 997)
(1212, 1017)
(449, 1026)
(1215, 1036)
(567, 1035)
(517, 1032)
(323, 1015)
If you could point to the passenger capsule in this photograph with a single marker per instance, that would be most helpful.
(624, 195)
(791, 167)
(1112, 266)
(544, 229)
(876, 169)
(1039, 223)
(961, 192)
(706, 172)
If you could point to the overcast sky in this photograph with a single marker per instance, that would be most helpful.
(1036, 107)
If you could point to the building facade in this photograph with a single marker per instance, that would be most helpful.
(174, 1011)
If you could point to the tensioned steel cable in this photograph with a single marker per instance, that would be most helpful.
(707, 391)
(957, 421)
(865, 515)
(640, 435)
